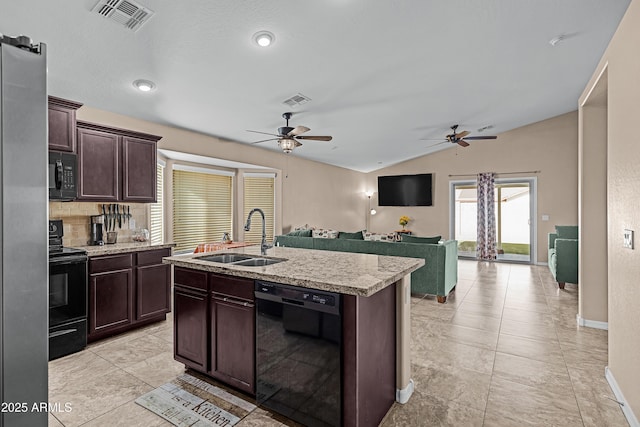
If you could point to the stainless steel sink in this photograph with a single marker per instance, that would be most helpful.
(224, 258)
(238, 259)
(258, 262)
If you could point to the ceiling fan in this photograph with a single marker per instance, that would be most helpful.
(288, 137)
(461, 138)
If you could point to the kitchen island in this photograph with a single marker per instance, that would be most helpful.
(375, 295)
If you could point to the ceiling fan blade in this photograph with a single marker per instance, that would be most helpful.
(462, 143)
(265, 133)
(439, 143)
(462, 134)
(315, 138)
(264, 140)
(476, 138)
(298, 130)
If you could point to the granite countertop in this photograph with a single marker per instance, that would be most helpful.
(342, 272)
(119, 248)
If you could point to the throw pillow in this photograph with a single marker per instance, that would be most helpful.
(325, 233)
(353, 236)
(414, 239)
(567, 231)
(378, 237)
(304, 227)
(300, 233)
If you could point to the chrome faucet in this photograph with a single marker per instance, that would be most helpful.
(263, 245)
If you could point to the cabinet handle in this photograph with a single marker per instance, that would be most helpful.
(233, 301)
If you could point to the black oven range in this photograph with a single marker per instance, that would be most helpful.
(67, 295)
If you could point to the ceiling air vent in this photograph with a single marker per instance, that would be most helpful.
(297, 99)
(127, 13)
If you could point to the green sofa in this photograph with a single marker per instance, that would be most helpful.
(563, 254)
(438, 276)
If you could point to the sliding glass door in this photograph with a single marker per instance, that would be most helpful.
(515, 215)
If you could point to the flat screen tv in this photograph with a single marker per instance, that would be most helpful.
(405, 190)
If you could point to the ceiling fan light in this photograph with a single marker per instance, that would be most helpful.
(264, 38)
(287, 144)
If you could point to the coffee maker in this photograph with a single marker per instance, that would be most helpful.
(97, 224)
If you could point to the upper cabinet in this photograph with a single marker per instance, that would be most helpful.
(62, 124)
(115, 164)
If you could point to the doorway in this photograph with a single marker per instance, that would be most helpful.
(515, 218)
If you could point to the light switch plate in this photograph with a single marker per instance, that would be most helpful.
(628, 239)
(545, 217)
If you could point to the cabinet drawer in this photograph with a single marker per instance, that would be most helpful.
(152, 257)
(190, 278)
(111, 262)
(232, 286)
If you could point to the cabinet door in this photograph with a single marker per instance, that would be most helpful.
(62, 129)
(190, 328)
(138, 170)
(233, 342)
(110, 300)
(98, 165)
(153, 291)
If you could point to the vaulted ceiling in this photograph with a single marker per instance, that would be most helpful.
(381, 76)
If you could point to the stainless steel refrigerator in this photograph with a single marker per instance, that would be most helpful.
(23, 232)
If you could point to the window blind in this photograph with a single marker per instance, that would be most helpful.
(156, 215)
(259, 193)
(202, 208)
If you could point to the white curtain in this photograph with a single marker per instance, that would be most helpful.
(486, 242)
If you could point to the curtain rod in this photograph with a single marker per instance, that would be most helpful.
(497, 173)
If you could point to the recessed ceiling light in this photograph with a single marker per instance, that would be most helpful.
(264, 38)
(144, 85)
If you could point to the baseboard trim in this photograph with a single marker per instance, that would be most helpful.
(626, 410)
(592, 323)
(403, 395)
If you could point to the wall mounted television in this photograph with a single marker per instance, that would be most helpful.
(405, 190)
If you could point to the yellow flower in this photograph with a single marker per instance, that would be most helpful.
(404, 220)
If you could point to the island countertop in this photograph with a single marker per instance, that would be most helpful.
(342, 272)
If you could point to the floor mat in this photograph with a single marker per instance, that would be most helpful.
(189, 401)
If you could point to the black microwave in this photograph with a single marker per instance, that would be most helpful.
(63, 175)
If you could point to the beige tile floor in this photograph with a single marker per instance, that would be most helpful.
(503, 351)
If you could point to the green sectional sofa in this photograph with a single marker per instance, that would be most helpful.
(563, 254)
(438, 276)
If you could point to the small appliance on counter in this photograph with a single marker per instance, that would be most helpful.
(97, 228)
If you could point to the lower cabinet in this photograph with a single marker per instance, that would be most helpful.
(233, 338)
(214, 324)
(126, 291)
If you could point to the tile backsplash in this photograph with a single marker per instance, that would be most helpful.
(76, 220)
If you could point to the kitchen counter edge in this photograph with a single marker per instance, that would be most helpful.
(119, 248)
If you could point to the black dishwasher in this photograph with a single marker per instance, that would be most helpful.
(298, 353)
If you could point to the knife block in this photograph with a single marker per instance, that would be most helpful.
(112, 237)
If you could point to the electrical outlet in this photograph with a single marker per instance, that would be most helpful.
(628, 239)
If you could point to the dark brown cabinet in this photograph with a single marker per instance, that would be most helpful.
(62, 124)
(115, 164)
(232, 331)
(214, 326)
(126, 291)
(110, 293)
(153, 293)
(191, 318)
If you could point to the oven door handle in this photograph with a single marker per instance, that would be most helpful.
(67, 261)
(62, 332)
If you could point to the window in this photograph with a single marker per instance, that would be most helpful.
(259, 193)
(202, 207)
(156, 215)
